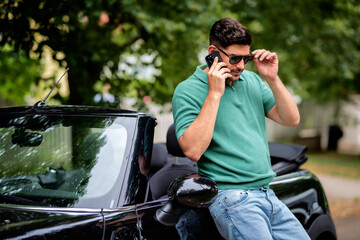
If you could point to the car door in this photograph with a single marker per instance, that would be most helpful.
(137, 222)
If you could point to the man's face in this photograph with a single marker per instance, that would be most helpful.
(235, 50)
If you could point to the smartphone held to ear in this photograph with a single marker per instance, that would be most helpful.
(211, 57)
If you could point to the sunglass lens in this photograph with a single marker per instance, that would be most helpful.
(248, 59)
(237, 59)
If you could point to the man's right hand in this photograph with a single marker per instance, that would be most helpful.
(217, 75)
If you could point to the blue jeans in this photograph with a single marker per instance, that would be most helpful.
(254, 214)
(197, 224)
(244, 214)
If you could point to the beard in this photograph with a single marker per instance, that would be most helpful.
(236, 74)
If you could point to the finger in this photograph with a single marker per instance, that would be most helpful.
(224, 70)
(213, 66)
(268, 57)
(271, 56)
(257, 53)
(221, 65)
(226, 75)
(264, 55)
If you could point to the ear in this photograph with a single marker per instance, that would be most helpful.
(212, 48)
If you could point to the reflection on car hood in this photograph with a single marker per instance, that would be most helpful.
(21, 222)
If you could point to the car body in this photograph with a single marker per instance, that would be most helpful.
(78, 172)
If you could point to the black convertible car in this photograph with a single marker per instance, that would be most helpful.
(75, 172)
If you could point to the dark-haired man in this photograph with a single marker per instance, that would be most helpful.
(219, 114)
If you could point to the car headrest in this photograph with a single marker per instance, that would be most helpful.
(287, 152)
(172, 144)
(158, 157)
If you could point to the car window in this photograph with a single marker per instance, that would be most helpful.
(60, 161)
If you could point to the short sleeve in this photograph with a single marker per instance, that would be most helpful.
(267, 96)
(186, 106)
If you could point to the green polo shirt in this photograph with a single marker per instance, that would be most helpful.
(238, 155)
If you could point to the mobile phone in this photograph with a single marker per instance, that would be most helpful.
(210, 58)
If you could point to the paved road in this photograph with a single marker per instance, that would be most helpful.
(340, 189)
(348, 228)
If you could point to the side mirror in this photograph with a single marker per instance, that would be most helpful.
(188, 190)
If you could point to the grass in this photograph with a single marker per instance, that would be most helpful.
(335, 164)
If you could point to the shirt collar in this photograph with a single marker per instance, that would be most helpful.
(202, 75)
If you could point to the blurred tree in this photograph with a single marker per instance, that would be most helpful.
(106, 41)
(23, 69)
(145, 48)
(318, 42)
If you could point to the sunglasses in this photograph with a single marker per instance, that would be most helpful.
(237, 58)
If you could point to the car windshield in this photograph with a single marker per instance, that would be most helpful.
(61, 161)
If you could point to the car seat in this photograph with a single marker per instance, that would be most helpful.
(173, 161)
(286, 158)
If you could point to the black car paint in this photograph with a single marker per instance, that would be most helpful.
(137, 220)
(133, 216)
(23, 222)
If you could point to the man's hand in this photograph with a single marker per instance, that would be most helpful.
(266, 63)
(216, 78)
(285, 112)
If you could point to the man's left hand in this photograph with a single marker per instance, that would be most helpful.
(266, 63)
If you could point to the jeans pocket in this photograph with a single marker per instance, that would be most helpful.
(233, 199)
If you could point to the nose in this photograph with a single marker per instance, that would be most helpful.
(241, 64)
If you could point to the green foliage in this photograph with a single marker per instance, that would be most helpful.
(318, 43)
(145, 48)
(332, 163)
(97, 35)
(24, 72)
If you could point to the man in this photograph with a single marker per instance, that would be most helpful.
(219, 115)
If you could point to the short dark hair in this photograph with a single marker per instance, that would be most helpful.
(229, 31)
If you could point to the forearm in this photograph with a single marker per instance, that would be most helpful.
(286, 111)
(198, 135)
